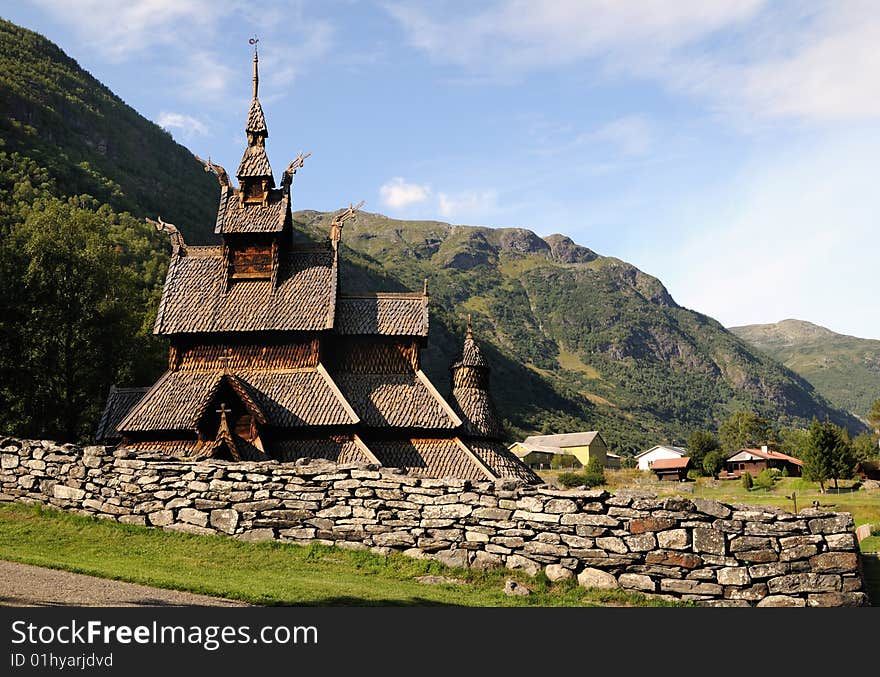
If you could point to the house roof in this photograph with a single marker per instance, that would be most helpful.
(676, 450)
(671, 463)
(744, 454)
(234, 217)
(385, 314)
(195, 298)
(563, 439)
(120, 401)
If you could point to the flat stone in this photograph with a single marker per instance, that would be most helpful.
(394, 539)
(798, 552)
(690, 587)
(257, 535)
(224, 520)
(161, 518)
(711, 507)
(538, 517)
(734, 576)
(637, 582)
(832, 525)
(596, 578)
(68, 493)
(675, 559)
(560, 505)
(829, 599)
(749, 543)
(835, 562)
(612, 544)
(804, 582)
(640, 526)
(557, 572)
(709, 540)
(673, 539)
(589, 520)
(192, 516)
(494, 514)
(754, 593)
(758, 556)
(841, 541)
(782, 601)
(641, 542)
(486, 560)
(454, 557)
(186, 528)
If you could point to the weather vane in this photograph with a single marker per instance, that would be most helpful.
(253, 41)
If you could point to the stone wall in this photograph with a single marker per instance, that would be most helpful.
(691, 549)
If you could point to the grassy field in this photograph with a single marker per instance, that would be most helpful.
(266, 573)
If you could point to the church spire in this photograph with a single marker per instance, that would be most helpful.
(254, 172)
(256, 69)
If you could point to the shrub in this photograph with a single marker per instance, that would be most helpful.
(746, 480)
(712, 463)
(694, 474)
(765, 479)
(784, 472)
(593, 476)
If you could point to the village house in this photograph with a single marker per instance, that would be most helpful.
(661, 451)
(754, 461)
(566, 450)
(671, 469)
(274, 354)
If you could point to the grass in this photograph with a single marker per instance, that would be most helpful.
(266, 573)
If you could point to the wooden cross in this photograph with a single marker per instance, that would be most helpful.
(223, 410)
(225, 360)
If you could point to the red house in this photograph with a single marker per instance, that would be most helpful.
(754, 461)
(671, 469)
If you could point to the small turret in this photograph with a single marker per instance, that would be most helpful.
(470, 391)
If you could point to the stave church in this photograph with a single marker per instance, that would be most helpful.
(273, 356)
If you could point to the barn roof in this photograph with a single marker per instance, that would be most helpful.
(120, 401)
(745, 453)
(195, 298)
(563, 439)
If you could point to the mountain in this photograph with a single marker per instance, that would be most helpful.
(63, 130)
(576, 340)
(845, 369)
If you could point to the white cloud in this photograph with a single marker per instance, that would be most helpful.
(473, 205)
(398, 194)
(786, 60)
(188, 125)
(632, 135)
(120, 29)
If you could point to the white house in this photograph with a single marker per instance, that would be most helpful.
(661, 451)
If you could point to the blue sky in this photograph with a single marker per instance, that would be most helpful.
(727, 147)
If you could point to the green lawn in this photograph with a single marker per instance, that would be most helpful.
(264, 573)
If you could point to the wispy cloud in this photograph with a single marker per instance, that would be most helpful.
(814, 62)
(398, 194)
(475, 205)
(632, 135)
(188, 125)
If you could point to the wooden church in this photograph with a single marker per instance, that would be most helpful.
(273, 357)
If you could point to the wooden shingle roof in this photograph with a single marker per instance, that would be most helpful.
(254, 163)
(435, 457)
(385, 314)
(336, 448)
(290, 399)
(195, 298)
(397, 400)
(501, 461)
(120, 401)
(256, 122)
(233, 217)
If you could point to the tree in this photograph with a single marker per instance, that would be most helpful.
(746, 480)
(874, 417)
(83, 281)
(793, 441)
(865, 447)
(700, 443)
(713, 462)
(744, 428)
(829, 454)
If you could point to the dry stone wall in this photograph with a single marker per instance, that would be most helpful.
(687, 548)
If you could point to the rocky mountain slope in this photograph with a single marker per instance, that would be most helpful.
(845, 369)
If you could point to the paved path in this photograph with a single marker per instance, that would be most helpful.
(26, 585)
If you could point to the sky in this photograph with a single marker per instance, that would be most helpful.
(727, 147)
